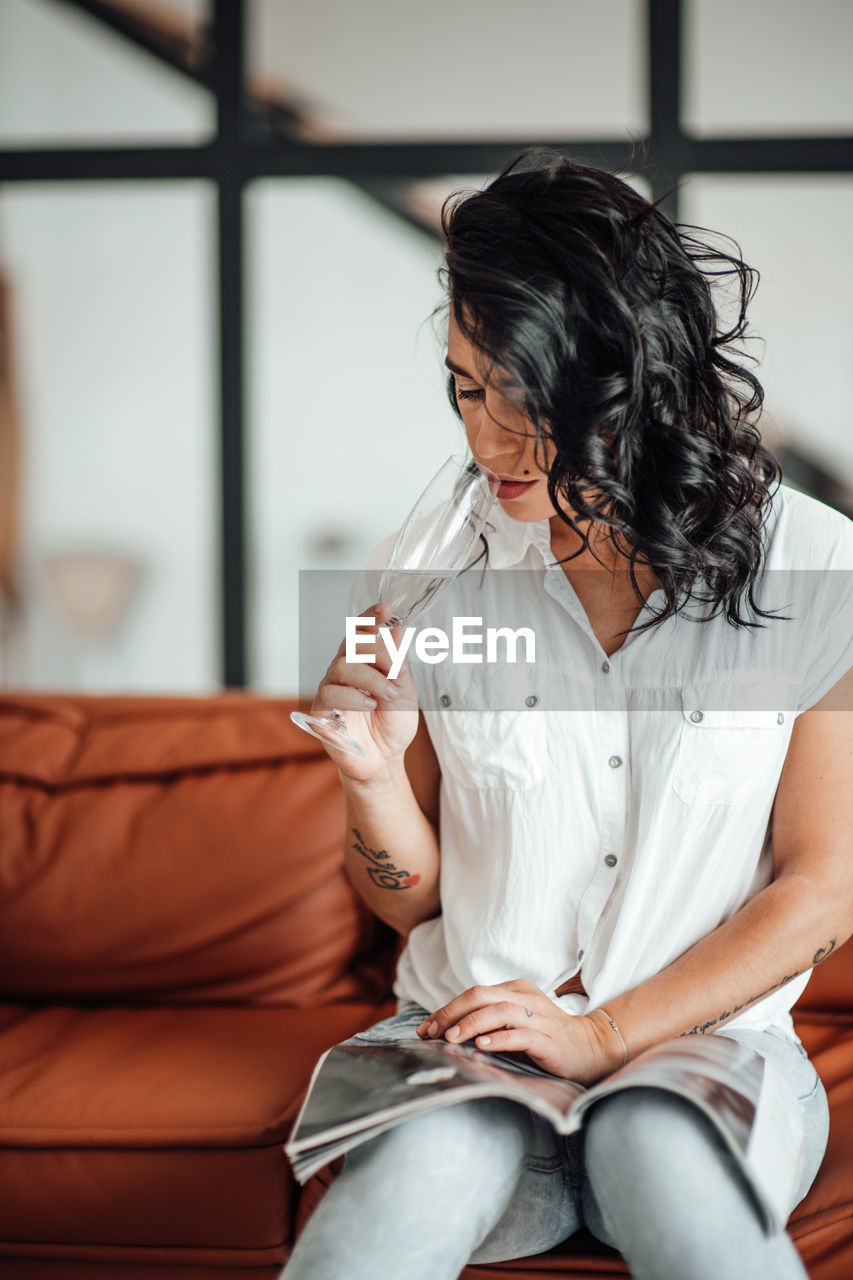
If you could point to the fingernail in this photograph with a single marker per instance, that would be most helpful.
(370, 702)
(484, 1040)
(392, 692)
(453, 1033)
(432, 1029)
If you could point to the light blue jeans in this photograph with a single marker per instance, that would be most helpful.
(486, 1181)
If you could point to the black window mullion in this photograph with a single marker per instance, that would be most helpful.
(666, 141)
(229, 88)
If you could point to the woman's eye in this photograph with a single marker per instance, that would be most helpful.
(473, 393)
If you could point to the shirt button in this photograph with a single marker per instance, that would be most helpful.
(697, 716)
(615, 762)
(444, 700)
(610, 860)
(531, 700)
(605, 667)
(780, 719)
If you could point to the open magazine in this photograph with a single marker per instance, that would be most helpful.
(360, 1089)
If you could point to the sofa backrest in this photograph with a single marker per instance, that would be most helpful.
(161, 850)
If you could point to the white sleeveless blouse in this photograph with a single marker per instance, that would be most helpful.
(599, 815)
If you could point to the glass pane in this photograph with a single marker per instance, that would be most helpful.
(66, 78)
(768, 67)
(349, 414)
(796, 232)
(543, 69)
(111, 294)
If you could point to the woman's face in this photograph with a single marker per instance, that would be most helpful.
(501, 437)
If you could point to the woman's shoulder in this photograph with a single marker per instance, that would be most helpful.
(800, 532)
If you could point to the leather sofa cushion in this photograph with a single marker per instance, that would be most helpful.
(154, 1129)
(175, 850)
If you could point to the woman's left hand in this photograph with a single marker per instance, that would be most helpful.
(518, 1017)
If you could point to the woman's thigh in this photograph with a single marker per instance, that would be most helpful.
(787, 1055)
(543, 1209)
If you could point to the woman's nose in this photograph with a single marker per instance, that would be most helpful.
(494, 444)
(489, 437)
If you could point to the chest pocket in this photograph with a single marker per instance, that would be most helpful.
(724, 756)
(494, 750)
(487, 726)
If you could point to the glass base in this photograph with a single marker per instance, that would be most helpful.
(331, 729)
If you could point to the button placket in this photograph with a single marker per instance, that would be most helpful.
(613, 739)
(613, 799)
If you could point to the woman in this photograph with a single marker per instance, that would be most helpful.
(578, 887)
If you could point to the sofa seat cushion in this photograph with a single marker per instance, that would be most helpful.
(154, 1127)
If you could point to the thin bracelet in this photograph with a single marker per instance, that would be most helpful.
(619, 1034)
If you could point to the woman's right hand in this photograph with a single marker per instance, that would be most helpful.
(381, 714)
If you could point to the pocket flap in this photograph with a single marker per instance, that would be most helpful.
(733, 707)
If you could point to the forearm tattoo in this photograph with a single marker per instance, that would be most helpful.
(380, 868)
(699, 1030)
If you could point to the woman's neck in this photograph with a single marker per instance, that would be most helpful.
(600, 554)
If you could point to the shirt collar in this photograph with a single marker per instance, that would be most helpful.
(510, 539)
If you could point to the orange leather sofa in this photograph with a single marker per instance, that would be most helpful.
(178, 943)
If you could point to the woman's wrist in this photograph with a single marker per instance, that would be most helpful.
(385, 781)
(610, 1049)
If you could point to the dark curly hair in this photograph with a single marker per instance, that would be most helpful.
(602, 314)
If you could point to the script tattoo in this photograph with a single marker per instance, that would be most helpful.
(380, 868)
(730, 1013)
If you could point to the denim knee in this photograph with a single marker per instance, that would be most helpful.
(638, 1137)
(455, 1143)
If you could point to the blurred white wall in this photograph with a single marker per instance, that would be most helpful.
(475, 69)
(113, 294)
(348, 411)
(116, 310)
(797, 231)
(65, 79)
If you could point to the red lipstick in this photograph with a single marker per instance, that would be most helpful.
(509, 487)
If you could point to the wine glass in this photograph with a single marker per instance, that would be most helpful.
(436, 543)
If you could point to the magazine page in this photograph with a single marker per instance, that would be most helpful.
(360, 1088)
(746, 1098)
